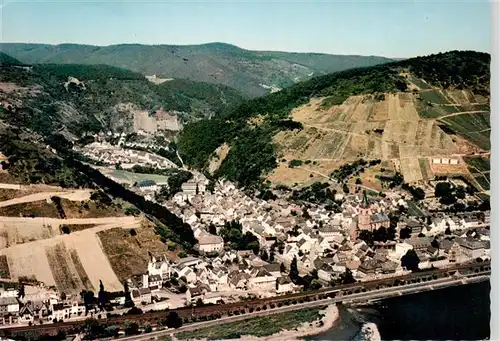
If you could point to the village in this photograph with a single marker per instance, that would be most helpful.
(252, 248)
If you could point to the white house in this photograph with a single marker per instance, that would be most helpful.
(142, 295)
(210, 243)
(9, 305)
(188, 273)
(159, 267)
(261, 279)
(284, 286)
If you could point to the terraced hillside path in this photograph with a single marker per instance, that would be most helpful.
(463, 112)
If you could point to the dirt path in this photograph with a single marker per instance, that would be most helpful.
(125, 221)
(461, 113)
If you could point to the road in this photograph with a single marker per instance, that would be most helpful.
(374, 295)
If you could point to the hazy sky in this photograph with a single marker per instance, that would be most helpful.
(390, 28)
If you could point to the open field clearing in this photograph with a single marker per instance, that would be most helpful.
(64, 270)
(425, 169)
(9, 193)
(399, 127)
(419, 83)
(69, 261)
(127, 254)
(126, 177)
(440, 169)
(434, 96)
(36, 209)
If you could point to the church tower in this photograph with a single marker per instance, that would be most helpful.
(364, 215)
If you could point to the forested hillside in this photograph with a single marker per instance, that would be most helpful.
(218, 63)
(47, 99)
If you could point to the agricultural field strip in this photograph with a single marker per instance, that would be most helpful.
(31, 259)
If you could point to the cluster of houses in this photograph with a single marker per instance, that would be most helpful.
(109, 154)
(326, 241)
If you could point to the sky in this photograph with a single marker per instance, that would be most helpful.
(391, 28)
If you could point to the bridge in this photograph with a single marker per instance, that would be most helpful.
(356, 293)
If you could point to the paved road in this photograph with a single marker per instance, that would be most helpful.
(353, 298)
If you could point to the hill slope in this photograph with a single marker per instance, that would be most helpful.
(79, 98)
(406, 110)
(244, 70)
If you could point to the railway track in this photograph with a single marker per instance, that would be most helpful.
(205, 313)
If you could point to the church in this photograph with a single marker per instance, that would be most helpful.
(367, 220)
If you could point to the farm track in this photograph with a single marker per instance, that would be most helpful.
(461, 113)
(78, 195)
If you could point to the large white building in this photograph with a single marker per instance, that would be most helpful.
(210, 243)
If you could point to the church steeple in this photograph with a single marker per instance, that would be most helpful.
(365, 202)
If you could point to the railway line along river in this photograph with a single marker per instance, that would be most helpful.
(455, 313)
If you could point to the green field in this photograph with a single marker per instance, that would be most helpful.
(418, 82)
(482, 181)
(434, 96)
(123, 176)
(478, 164)
(435, 111)
(259, 326)
(424, 168)
(473, 127)
(414, 210)
(483, 196)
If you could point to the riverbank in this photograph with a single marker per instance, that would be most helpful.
(326, 322)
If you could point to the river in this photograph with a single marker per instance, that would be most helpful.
(455, 313)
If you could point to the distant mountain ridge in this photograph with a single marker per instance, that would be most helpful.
(217, 63)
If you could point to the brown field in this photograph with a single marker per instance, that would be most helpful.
(8, 194)
(4, 267)
(89, 209)
(127, 254)
(449, 169)
(83, 255)
(35, 208)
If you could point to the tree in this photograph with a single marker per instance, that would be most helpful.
(366, 236)
(148, 328)
(133, 232)
(264, 256)
(447, 231)
(65, 229)
(391, 233)
(358, 181)
(405, 233)
(345, 188)
(131, 328)
(212, 229)
(347, 277)
(410, 260)
(282, 268)
(294, 271)
(435, 243)
(271, 256)
(63, 296)
(128, 299)
(443, 189)
(102, 295)
(174, 320)
(380, 234)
